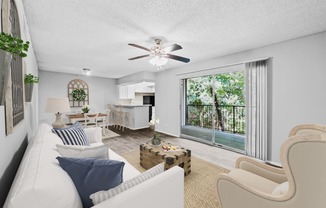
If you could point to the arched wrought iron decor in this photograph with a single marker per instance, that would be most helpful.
(14, 94)
(78, 84)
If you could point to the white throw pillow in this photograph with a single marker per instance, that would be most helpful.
(281, 189)
(100, 196)
(101, 151)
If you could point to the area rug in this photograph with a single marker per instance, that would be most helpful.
(200, 184)
(108, 134)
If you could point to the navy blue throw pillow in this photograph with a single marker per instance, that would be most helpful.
(91, 175)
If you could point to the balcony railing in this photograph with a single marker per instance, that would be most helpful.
(233, 117)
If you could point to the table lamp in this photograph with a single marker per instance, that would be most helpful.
(57, 106)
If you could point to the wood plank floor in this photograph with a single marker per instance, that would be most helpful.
(130, 140)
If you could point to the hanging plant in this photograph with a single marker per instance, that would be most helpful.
(13, 45)
(78, 94)
(9, 47)
(31, 79)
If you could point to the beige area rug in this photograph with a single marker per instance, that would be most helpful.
(109, 134)
(200, 184)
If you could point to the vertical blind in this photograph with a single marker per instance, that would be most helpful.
(256, 109)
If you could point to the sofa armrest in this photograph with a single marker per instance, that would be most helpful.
(161, 191)
(94, 134)
(267, 171)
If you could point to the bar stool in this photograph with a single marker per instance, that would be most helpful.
(125, 120)
(117, 120)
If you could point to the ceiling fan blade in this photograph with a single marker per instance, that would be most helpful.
(178, 58)
(171, 48)
(138, 46)
(138, 57)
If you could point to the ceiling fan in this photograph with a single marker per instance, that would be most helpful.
(159, 53)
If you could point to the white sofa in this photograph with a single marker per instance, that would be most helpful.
(41, 182)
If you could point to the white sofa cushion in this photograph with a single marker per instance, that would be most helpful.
(129, 171)
(94, 135)
(40, 181)
(100, 196)
(101, 151)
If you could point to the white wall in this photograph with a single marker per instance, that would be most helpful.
(10, 144)
(102, 91)
(296, 85)
(137, 78)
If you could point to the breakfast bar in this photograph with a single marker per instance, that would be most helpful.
(137, 116)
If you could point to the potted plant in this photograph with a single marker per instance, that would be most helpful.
(29, 81)
(156, 136)
(9, 46)
(86, 109)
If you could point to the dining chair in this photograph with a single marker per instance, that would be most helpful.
(90, 120)
(104, 122)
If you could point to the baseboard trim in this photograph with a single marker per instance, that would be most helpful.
(163, 132)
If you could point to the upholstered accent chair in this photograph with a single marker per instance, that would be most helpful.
(308, 129)
(301, 183)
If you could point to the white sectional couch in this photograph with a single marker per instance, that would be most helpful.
(41, 182)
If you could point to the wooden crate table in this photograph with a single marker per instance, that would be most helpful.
(151, 155)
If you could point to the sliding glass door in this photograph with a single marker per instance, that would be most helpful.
(214, 109)
(198, 109)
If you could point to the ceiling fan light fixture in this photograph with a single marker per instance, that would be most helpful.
(160, 54)
(86, 71)
(158, 61)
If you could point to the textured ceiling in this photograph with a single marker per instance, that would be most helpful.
(69, 35)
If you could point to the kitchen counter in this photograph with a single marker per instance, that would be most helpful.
(138, 115)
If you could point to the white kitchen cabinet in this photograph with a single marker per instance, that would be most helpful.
(131, 92)
(126, 92)
(144, 88)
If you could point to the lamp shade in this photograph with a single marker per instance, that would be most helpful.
(56, 105)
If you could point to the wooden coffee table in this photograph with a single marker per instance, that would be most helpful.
(151, 155)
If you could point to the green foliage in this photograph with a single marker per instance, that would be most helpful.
(78, 94)
(30, 78)
(13, 45)
(229, 89)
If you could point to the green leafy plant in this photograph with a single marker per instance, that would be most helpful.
(85, 108)
(30, 78)
(78, 94)
(13, 45)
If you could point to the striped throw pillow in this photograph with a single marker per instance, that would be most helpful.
(100, 196)
(73, 135)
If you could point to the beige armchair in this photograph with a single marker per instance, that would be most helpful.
(308, 129)
(301, 183)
